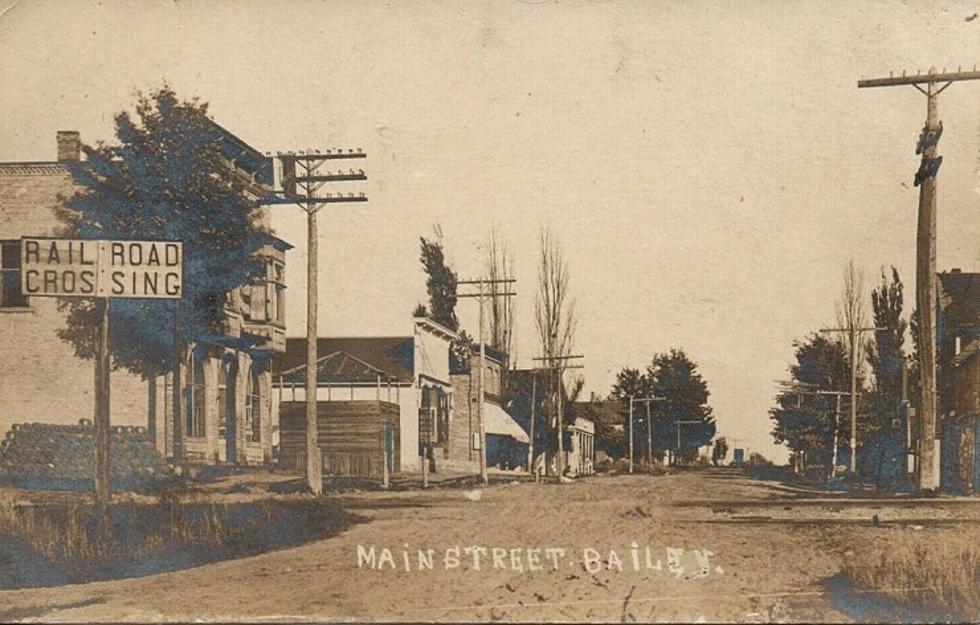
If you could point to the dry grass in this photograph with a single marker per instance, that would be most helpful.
(44, 545)
(929, 576)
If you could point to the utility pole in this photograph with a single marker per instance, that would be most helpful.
(309, 182)
(481, 295)
(837, 395)
(530, 444)
(925, 252)
(647, 401)
(559, 364)
(678, 424)
(853, 335)
(101, 429)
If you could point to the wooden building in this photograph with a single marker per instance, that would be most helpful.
(355, 437)
(410, 372)
(958, 328)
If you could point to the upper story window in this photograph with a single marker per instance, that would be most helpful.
(264, 300)
(11, 295)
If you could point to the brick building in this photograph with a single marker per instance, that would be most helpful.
(225, 385)
(506, 440)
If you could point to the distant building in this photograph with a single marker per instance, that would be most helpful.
(225, 386)
(410, 372)
(958, 380)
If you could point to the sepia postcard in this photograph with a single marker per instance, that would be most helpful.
(541, 311)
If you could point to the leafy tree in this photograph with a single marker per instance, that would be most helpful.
(631, 383)
(885, 355)
(803, 419)
(674, 377)
(441, 282)
(166, 179)
(719, 452)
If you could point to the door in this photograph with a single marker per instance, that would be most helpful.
(976, 454)
(390, 446)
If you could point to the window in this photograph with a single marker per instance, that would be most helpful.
(11, 295)
(253, 412)
(280, 293)
(195, 389)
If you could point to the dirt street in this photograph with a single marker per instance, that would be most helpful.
(746, 551)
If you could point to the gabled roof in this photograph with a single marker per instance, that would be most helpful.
(959, 299)
(393, 357)
(338, 368)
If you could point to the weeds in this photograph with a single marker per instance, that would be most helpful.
(51, 544)
(931, 577)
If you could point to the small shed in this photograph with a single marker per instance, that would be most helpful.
(354, 437)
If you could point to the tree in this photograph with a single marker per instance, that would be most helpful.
(440, 282)
(886, 356)
(166, 179)
(554, 312)
(803, 419)
(500, 266)
(719, 452)
(674, 377)
(554, 308)
(631, 383)
(609, 433)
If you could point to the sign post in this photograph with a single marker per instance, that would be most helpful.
(102, 270)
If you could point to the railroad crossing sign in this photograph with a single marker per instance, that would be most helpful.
(101, 268)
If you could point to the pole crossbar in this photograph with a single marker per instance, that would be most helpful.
(918, 79)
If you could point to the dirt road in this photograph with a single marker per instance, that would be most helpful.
(620, 548)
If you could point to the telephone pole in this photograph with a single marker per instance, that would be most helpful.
(930, 85)
(481, 295)
(534, 374)
(560, 364)
(309, 182)
(837, 395)
(645, 400)
(853, 334)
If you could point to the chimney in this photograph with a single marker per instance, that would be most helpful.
(69, 145)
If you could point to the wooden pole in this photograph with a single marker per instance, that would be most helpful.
(649, 438)
(314, 467)
(833, 467)
(925, 298)
(561, 428)
(853, 439)
(484, 477)
(631, 433)
(927, 477)
(530, 444)
(101, 429)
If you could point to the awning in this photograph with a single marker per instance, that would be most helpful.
(500, 423)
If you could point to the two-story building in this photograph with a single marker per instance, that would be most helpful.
(225, 382)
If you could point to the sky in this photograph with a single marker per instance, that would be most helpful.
(709, 167)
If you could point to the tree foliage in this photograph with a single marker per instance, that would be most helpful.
(886, 355)
(440, 282)
(166, 179)
(682, 395)
(804, 420)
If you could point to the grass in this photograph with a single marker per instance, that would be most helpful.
(926, 576)
(60, 543)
